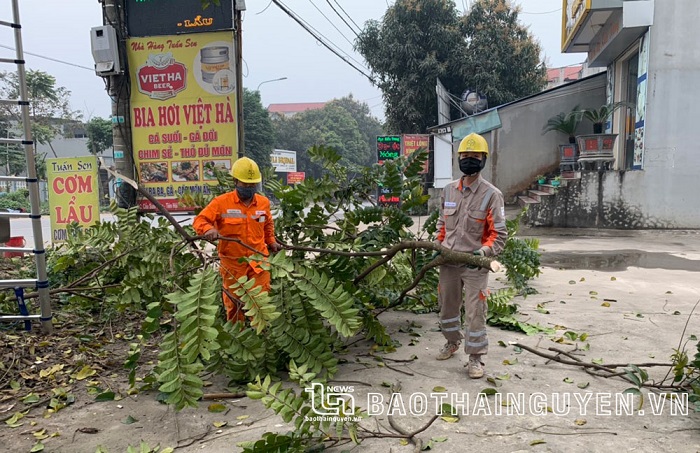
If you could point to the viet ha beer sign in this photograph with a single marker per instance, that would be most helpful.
(73, 194)
(183, 114)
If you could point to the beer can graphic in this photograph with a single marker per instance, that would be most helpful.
(214, 59)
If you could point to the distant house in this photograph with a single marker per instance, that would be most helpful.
(292, 109)
(560, 76)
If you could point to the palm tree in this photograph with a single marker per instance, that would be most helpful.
(566, 123)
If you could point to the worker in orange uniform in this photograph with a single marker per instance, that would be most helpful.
(245, 215)
(472, 220)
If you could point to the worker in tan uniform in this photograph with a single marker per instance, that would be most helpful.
(242, 214)
(472, 220)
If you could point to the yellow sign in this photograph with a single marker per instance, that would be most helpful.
(183, 113)
(573, 14)
(73, 194)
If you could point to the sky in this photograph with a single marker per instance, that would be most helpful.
(274, 46)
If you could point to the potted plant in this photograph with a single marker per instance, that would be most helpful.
(566, 123)
(541, 179)
(556, 181)
(599, 116)
(598, 147)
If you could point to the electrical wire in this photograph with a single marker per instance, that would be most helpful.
(318, 33)
(264, 9)
(330, 22)
(543, 12)
(50, 58)
(319, 39)
(346, 13)
(341, 17)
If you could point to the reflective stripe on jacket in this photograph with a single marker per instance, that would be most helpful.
(252, 225)
(472, 217)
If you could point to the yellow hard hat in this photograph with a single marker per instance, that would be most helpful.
(474, 143)
(246, 170)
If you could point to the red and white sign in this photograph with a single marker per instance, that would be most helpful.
(414, 142)
(162, 82)
(295, 177)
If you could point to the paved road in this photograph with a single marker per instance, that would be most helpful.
(23, 227)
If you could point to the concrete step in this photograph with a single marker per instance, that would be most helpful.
(548, 188)
(538, 194)
(524, 200)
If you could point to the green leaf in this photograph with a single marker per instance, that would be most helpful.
(582, 385)
(537, 442)
(216, 408)
(31, 398)
(85, 373)
(129, 420)
(105, 396)
(37, 447)
(488, 391)
(439, 389)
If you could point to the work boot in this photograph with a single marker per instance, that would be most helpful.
(447, 351)
(475, 367)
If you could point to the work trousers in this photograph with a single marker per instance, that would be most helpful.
(230, 272)
(457, 286)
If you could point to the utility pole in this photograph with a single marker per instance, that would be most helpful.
(237, 13)
(118, 88)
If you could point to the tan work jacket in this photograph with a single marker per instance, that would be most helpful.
(472, 217)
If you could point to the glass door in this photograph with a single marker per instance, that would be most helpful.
(630, 113)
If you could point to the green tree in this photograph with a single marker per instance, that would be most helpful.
(49, 108)
(417, 42)
(502, 58)
(421, 40)
(100, 138)
(368, 125)
(344, 124)
(258, 129)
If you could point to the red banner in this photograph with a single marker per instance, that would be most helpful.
(295, 177)
(413, 142)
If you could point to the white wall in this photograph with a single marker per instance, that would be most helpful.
(667, 187)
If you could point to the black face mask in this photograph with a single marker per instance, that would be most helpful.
(246, 193)
(471, 165)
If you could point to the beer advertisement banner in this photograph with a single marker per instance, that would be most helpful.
(183, 113)
(73, 194)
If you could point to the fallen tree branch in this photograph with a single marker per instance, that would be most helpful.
(608, 369)
(223, 396)
(161, 209)
(418, 443)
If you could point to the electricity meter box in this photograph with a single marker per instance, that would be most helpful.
(105, 50)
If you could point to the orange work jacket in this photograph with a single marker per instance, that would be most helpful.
(251, 224)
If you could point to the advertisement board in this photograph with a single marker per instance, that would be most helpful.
(183, 113)
(573, 14)
(73, 194)
(388, 148)
(414, 142)
(295, 177)
(284, 161)
(171, 17)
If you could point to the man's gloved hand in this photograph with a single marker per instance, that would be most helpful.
(274, 247)
(478, 253)
(212, 234)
